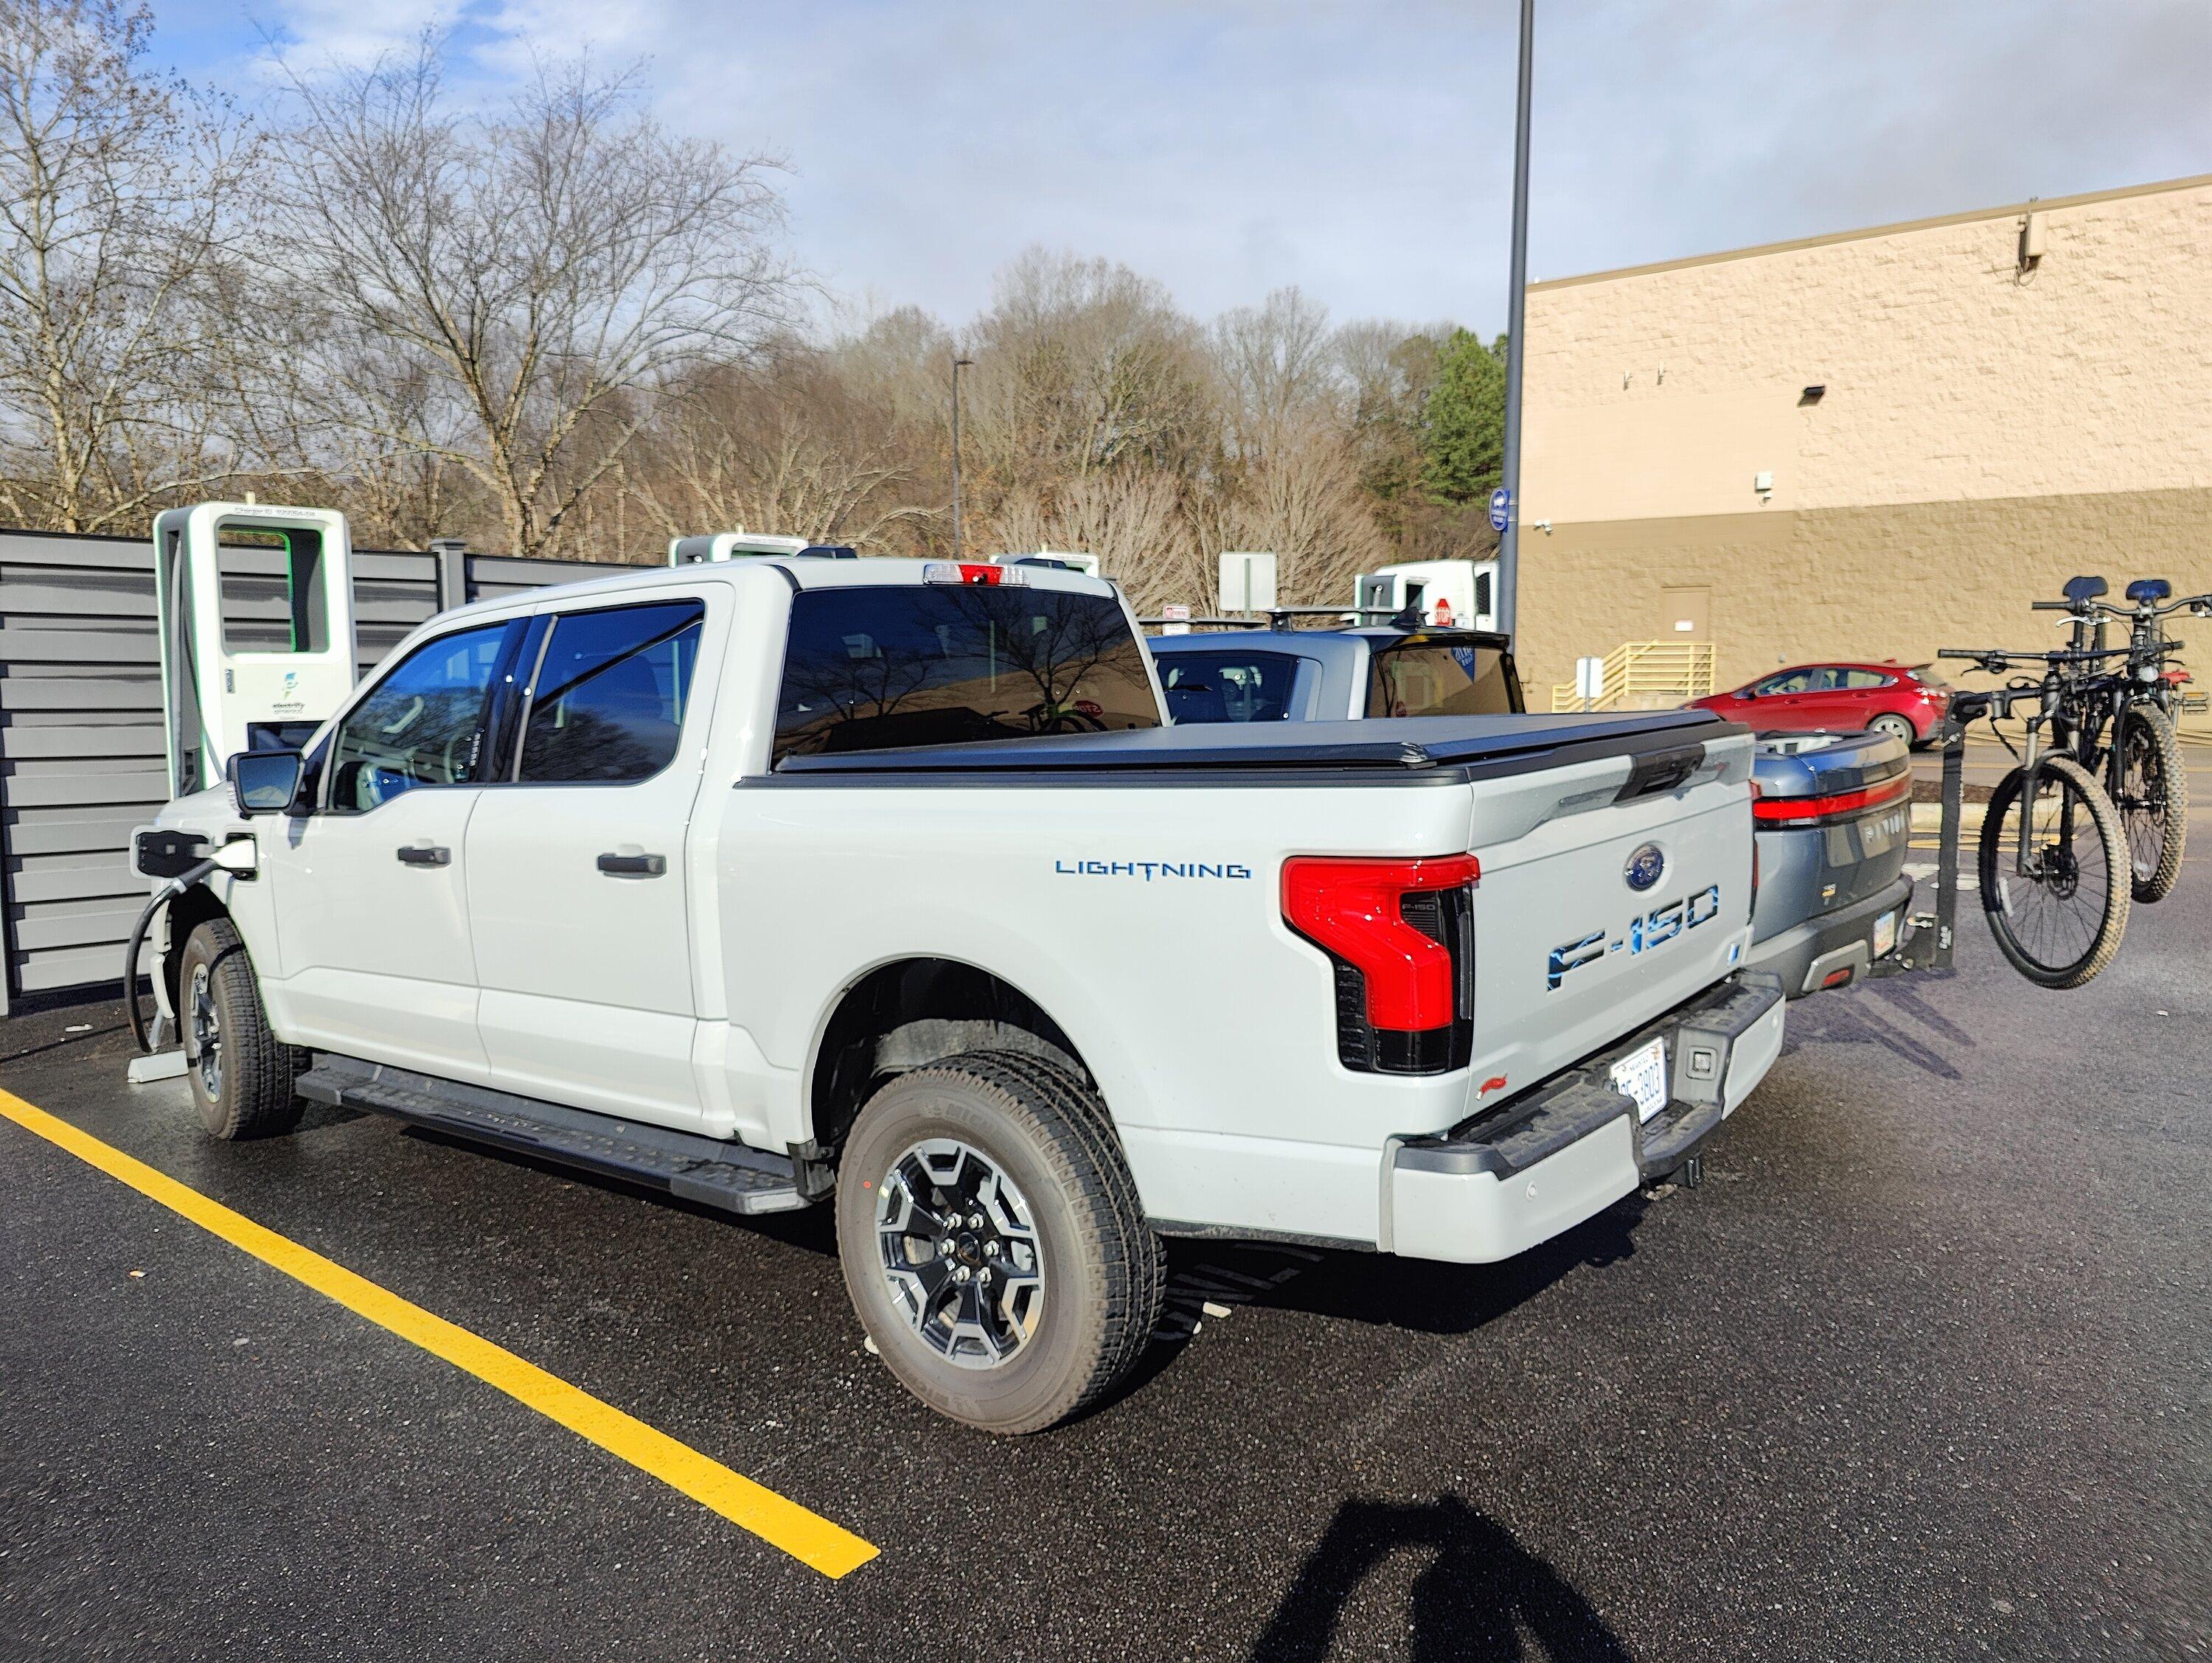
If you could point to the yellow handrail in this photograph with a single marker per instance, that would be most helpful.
(1646, 675)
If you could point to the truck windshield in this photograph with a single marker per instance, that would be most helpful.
(880, 668)
(1227, 686)
(1442, 678)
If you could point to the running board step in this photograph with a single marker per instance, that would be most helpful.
(714, 1171)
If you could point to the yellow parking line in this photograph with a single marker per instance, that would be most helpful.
(807, 1536)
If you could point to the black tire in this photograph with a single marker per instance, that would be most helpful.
(2060, 928)
(1897, 726)
(2154, 800)
(1056, 1170)
(243, 1077)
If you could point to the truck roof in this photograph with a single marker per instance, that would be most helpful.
(800, 574)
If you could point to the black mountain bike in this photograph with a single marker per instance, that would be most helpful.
(2054, 865)
(2121, 730)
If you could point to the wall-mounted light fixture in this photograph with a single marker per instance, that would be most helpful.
(2031, 241)
(1764, 484)
(1814, 395)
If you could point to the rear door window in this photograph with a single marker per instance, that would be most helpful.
(1443, 678)
(891, 667)
(1229, 687)
(608, 703)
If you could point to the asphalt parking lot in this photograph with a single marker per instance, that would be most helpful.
(1923, 1370)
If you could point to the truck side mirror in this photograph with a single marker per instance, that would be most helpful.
(264, 781)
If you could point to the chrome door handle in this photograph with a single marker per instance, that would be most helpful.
(421, 854)
(634, 865)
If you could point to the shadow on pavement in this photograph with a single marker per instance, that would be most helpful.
(1425, 1296)
(1481, 1596)
(1380, 1290)
(1870, 1015)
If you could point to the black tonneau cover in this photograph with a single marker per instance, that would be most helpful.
(1453, 746)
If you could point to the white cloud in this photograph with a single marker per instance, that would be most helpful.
(1363, 150)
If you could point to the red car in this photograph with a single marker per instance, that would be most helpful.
(1839, 698)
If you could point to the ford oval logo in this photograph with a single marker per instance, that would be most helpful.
(1645, 867)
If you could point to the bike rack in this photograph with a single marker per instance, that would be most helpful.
(1929, 937)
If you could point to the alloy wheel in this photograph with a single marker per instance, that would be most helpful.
(960, 1253)
(207, 1034)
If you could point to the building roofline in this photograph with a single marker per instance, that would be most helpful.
(2043, 205)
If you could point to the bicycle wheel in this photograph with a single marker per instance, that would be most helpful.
(2153, 801)
(2054, 874)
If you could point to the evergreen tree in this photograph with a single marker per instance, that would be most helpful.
(1463, 428)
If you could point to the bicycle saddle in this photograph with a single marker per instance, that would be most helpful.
(2149, 589)
(2085, 588)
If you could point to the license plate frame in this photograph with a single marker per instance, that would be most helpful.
(1642, 1075)
(1886, 933)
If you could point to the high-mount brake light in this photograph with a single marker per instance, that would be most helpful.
(1805, 810)
(1400, 935)
(969, 572)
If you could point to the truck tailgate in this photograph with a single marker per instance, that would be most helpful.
(1597, 912)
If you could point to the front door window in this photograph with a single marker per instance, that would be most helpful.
(423, 725)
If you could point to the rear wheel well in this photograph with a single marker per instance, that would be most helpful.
(911, 1015)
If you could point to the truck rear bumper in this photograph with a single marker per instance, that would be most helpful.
(1520, 1174)
(1838, 943)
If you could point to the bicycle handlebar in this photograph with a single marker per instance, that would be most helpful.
(2201, 604)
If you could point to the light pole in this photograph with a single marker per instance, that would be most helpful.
(1516, 317)
(958, 364)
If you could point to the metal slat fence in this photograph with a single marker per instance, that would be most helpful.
(81, 742)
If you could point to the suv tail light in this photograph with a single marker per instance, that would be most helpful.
(1773, 812)
(1400, 935)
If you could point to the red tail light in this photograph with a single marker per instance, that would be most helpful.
(1804, 810)
(1400, 935)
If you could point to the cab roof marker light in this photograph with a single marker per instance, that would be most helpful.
(968, 571)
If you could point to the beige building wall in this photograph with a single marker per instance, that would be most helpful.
(1984, 433)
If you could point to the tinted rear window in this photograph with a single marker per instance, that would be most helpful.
(889, 668)
(1438, 678)
(1227, 686)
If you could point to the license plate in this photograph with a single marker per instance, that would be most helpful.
(1642, 1074)
(1885, 934)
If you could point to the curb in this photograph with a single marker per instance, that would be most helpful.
(1929, 816)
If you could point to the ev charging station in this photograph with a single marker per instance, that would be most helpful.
(732, 545)
(230, 685)
(1066, 560)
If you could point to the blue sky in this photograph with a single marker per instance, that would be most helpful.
(1360, 151)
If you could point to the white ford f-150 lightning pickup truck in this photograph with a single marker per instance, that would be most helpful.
(885, 883)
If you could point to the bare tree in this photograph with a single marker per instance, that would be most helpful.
(1277, 369)
(117, 193)
(1131, 518)
(1301, 499)
(1082, 365)
(545, 274)
(783, 446)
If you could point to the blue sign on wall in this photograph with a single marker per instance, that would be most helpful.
(1501, 508)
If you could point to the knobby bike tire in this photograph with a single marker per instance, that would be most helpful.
(2165, 785)
(2095, 824)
